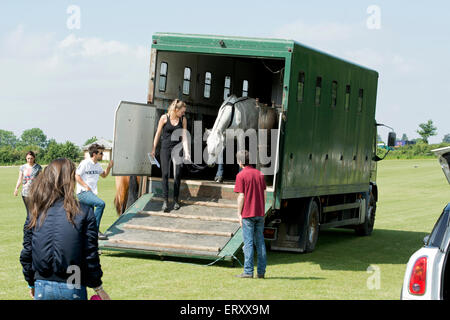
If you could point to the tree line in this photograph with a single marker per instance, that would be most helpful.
(13, 149)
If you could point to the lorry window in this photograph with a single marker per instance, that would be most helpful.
(207, 91)
(227, 87)
(300, 86)
(347, 97)
(360, 100)
(334, 87)
(163, 76)
(318, 88)
(245, 88)
(187, 81)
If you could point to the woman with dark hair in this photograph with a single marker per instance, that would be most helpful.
(27, 173)
(60, 247)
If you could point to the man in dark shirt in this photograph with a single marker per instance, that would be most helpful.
(251, 201)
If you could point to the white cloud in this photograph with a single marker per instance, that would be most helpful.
(46, 81)
(316, 34)
(95, 47)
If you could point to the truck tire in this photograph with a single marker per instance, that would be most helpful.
(312, 226)
(366, 228)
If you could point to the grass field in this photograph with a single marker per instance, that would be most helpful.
(412, 194)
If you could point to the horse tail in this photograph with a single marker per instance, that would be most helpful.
(121, 197)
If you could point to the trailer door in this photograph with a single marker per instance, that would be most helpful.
(134, 129)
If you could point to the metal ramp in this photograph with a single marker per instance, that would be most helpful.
(205, 227)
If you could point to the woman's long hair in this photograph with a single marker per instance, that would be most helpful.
(57, 181)
(176, 104)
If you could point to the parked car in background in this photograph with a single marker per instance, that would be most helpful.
(427, 275)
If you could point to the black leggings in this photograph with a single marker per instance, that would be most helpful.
(166, 160)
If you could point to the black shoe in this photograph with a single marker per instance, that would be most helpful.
(101, 236)
(165, 207)
(244, 275)
(260, 276)
(218, 179)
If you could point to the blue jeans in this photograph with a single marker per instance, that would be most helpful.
(90, 199)
(253, 233)
(52, 290)
(220, 168)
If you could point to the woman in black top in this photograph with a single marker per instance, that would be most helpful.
(172, 130)
(60, 248)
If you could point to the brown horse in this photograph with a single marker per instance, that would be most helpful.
(127, 188)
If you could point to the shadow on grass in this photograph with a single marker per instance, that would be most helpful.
(339, 249)
(149, 256)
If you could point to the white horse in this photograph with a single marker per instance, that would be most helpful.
(234, 113)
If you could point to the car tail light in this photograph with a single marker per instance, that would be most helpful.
(418, 279)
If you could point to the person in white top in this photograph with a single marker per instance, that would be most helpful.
(27, 173)
(87, 175)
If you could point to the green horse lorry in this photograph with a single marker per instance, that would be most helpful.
(325, 152)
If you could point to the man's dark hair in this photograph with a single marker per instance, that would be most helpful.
(95, 148)
(243, 156)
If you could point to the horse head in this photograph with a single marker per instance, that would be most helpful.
(214, 146)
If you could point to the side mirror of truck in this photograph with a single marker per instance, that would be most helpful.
(391, 139)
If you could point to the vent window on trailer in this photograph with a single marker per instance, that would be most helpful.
(347, 97)
(187, 81)
(227, 87)
(245, 88)
(334, 88)
(300, 86)
(163, 76)
(207, 91)
(318, 89)
(360, 100)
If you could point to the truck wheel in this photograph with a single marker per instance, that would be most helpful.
(366, 228)
(312, 226)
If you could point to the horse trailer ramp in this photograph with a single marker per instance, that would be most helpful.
(205, 227)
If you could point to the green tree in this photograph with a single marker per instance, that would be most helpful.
(7, 138)
(446, 138)
(404, 137)
(90, 140)
(62, 150)
(10, 155)
(35, 137)
(427, 130)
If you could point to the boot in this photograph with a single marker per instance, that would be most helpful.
(165, 207)
(176, 204)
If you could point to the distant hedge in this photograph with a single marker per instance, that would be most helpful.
(15, 156)
(414, 151)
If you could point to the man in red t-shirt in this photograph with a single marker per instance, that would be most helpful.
(251, 201)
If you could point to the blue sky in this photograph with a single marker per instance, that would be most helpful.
(68, 82)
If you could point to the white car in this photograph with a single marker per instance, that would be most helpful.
(427, 275)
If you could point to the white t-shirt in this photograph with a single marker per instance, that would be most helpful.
(89, 172)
